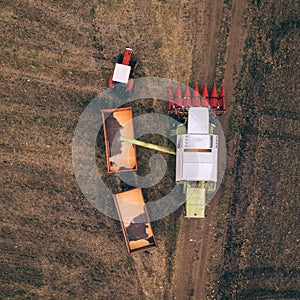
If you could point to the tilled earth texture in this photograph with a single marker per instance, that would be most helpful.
(56, 57)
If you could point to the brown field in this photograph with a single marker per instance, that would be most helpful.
(56, 57)
(261, 249)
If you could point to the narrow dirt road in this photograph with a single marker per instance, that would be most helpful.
(196, 237)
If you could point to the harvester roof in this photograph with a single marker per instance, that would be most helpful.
(198, 120)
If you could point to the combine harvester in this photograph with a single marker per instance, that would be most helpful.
(125, 65)
(197, 146)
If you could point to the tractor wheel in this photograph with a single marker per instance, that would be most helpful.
(120, 58)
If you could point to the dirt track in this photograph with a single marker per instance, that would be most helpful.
(196, 237)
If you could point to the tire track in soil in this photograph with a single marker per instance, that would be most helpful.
(196, 237)
(190, 273)
(205, 45)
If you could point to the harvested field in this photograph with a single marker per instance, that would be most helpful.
(56, 57)
(262, 241)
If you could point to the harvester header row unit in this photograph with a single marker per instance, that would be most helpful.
(179, 102)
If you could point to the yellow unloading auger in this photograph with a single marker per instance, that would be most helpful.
(147, 145)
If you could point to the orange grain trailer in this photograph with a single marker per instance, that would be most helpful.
(135, 221)
(120, 156)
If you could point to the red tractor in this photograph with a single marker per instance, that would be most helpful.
(125, 65)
